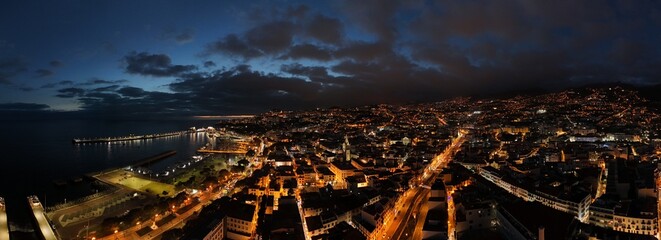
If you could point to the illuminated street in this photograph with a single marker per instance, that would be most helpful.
(44, 227)
(4, 226)
(405, 225)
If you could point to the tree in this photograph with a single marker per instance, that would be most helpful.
(209, 181)
(243, 163)
(250, 153)
(223, 174)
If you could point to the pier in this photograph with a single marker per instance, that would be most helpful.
(4, 227)
(40, 216)
(154, 158)
(221, 151)
(129, 138)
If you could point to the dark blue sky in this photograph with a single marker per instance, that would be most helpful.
(220, 57)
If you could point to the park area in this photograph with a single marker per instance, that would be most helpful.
(133, 181)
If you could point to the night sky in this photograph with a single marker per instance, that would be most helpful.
(217, 57)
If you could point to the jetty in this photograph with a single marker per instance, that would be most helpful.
(40, 216)
(4, 227)
(130, 137)
(154, 158)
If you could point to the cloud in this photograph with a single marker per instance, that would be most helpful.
(55, 63)
(133, 92)
(106, 89)
(326, 29)
(307, 51)
(97, 81)
(209, 64)
(26, 89)
(23, 106)
(365, 51)
(265, 39)
(234, 46)
(294, 33)
(180, 37)
(41, 73)
(10, 67)
(60, 83)
(297, 12)
(313, 73)
(271, 37)
(157, 65)
(185, 37)
(70, 92)
(375, 16)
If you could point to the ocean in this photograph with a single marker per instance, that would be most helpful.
(34, 154)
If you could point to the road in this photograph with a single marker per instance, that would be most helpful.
(405, 225)
(71, 226)
(205, 198)
(420, 223)
(44, 226)
(4, 227)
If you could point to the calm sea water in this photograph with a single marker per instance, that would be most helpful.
(36, 153)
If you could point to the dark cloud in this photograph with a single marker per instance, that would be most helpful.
(234, 46)
(326, 29)
(70, 92)
(313, 73)
(488, 46)
(97, 81)
(179, 36)
(26, 89)
(375, 16)
(158, 65)
(209, 64)
(393, 52)
(23, 106)
(106, 89)
(307, 51)
(185, 37)
(271, 37)
(297, 12)
(10, 67)
(55, 63)
(133, 92)
(365, 51)
(56, 84)
(44, 73)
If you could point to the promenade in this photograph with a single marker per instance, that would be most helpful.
(4, 226)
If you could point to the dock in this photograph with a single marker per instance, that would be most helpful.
(4, 227)
(154, 158)
(129, 138)
(40, 216)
